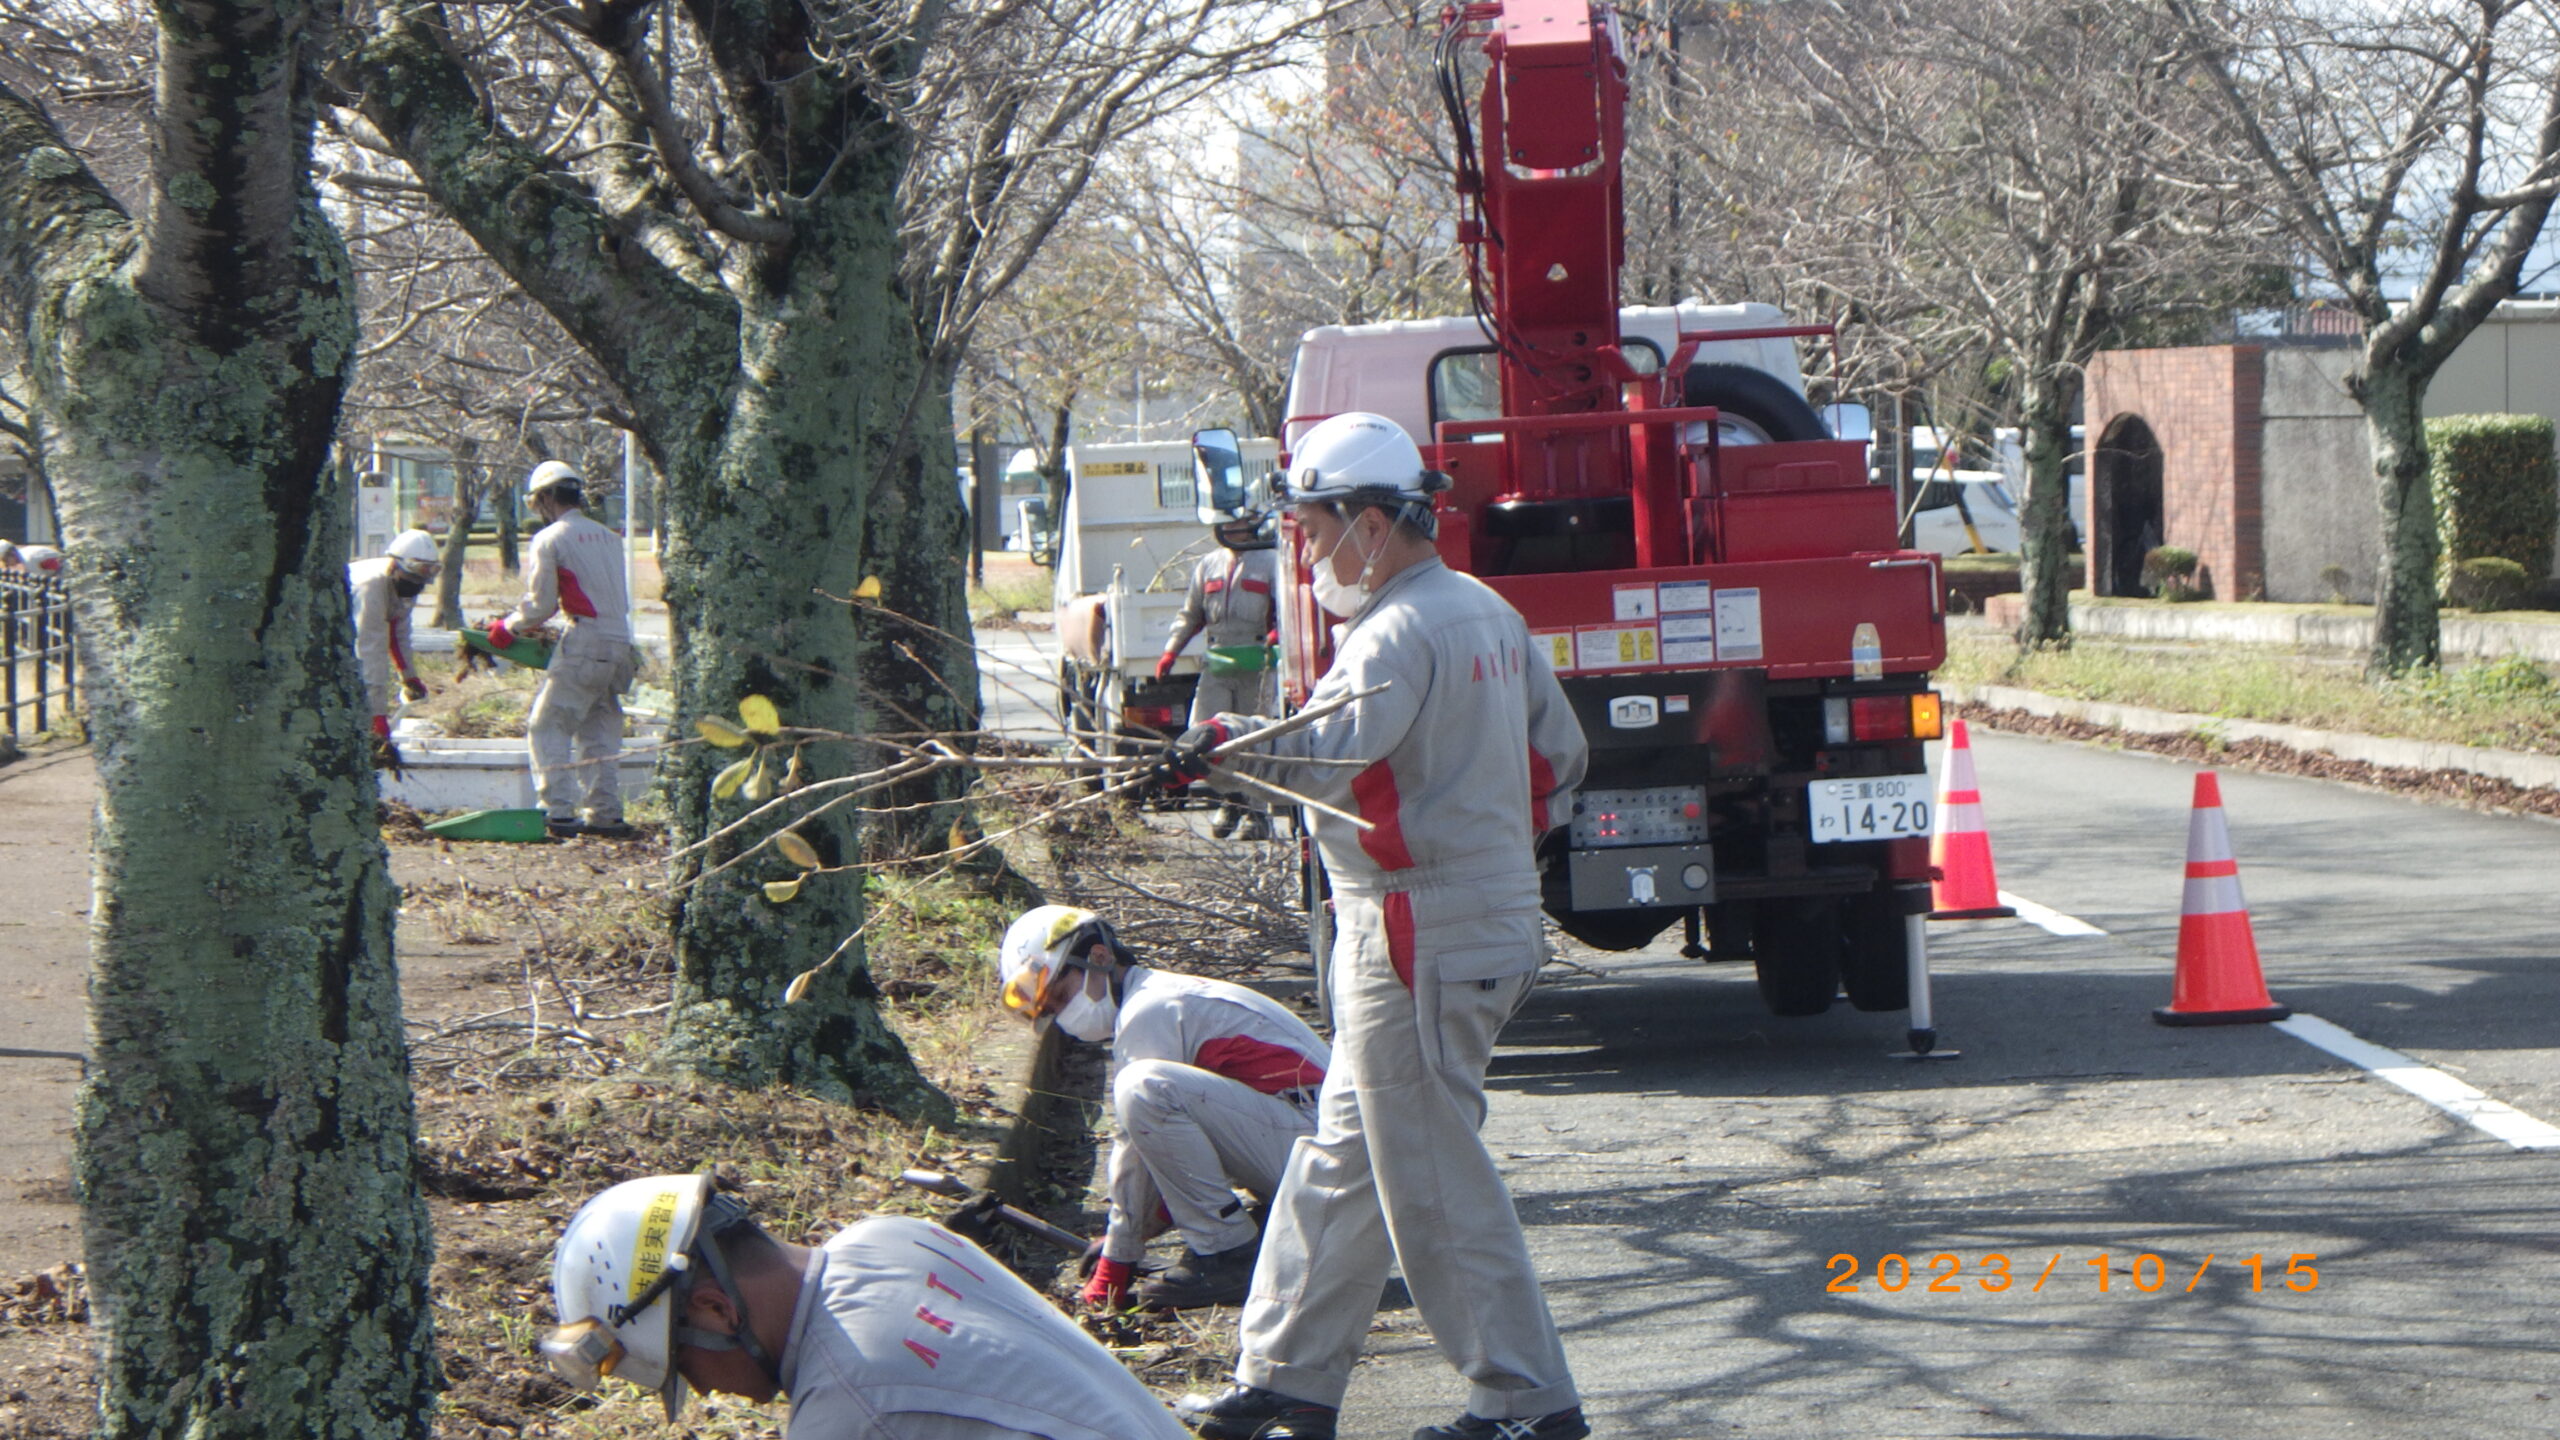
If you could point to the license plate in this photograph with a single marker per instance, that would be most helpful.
(1885, 808)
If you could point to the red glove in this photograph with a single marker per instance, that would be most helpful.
(1109, 1287)
(1164, 664)
(500, 637)
(381, 727)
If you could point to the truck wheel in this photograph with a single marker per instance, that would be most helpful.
(1759, 408)
(1875, 953)
(1797, 958)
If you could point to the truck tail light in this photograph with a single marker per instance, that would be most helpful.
(1882, 717)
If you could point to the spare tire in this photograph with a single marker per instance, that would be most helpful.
(1759, 408)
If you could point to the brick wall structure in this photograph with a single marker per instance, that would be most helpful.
(2201, 404)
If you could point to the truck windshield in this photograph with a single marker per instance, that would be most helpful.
(1467, 384)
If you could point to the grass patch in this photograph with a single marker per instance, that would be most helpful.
(1007, 592)
(2509, 704)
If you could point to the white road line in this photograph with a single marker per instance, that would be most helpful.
(2492, 1117)
(2049, 919)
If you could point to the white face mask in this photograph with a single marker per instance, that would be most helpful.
(1338, 599)
(1090, 1017)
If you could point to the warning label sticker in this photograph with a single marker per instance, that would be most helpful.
(1616, 647)
(1679, 595)
(1559, 647)
(1738, 624)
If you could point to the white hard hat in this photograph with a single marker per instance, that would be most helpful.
(1365, 457)
(628, 1242)
(415, 546)
(1037, 947)
(550, 473)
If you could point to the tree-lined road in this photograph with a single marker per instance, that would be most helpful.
(1689, 1168)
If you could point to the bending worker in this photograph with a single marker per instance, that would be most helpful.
(1230, 597)
(1211, 1085)
(1469, 752)
(385, 590)
(575, 726)
(896, 1329)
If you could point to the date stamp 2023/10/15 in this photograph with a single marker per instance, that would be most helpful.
(1946, 1273)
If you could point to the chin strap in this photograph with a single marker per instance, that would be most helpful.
(744, 1337)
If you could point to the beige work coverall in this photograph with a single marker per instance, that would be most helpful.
(1473, 752)
(1230, 598)
(382, 617)
(575, 727)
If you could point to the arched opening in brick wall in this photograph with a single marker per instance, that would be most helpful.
(2126, 513)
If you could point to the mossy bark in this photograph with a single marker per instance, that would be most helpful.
(805, 447)
(257, 1248)
(2406, 629)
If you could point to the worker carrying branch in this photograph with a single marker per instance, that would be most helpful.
(575, 570)
(383, 592)
(1463, 754)
(1211, 1085)
(1231, 598)
(895, 1329)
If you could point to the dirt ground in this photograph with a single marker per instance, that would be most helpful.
(534, 979)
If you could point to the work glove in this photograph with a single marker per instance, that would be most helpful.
(500, 637)
(977, 1221)
(382, 727)
(413, 687)
(1164, 664)
(1187, 759)
(1109, 1287)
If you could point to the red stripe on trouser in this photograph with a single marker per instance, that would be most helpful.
(1399, 916)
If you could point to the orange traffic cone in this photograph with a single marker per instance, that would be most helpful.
(2218, 979)
(1963, 886)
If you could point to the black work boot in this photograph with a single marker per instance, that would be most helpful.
(560, 827)
(1219, 1279)
(1243, 1412)
(1562, 1425)
(1225, 824)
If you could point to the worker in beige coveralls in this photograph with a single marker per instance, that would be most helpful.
(1471, 752)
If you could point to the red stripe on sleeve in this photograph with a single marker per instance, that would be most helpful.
(1374, 792)
(1542, 787)
(1266, 1067)
(573, 596)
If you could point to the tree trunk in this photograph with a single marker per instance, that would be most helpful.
(456, 549)
(257, 1248)
(2044, 521)
(824, 475)
(2405, 631)
(502, 494)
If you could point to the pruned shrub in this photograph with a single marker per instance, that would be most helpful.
(2335, 577)
(2169, 572)
(2495, 493)
(2488, 583)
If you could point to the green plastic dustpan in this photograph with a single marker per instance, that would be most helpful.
(526, 651)
(490, 825)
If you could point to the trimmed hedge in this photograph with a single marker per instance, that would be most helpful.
(2495, 493)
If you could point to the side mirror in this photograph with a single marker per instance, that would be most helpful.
(1217, 463)
(1849, 422)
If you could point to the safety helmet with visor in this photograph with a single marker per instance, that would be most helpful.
(1043, 958)
(415, 551)
(621, 1276)
(1361, 459)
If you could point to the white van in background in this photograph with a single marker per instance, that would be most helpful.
(1980, 498)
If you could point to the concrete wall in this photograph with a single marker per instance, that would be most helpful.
(2318, 483)
(2202, 404)
(2509, 366)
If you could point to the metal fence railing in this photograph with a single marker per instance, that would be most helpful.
(39, 680)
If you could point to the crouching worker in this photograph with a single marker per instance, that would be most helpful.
(896, 1329)
(1211, 1085)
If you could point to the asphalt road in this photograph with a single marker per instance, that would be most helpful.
(1695, 1174)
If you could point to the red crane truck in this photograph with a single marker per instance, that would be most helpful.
(1718, 581)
